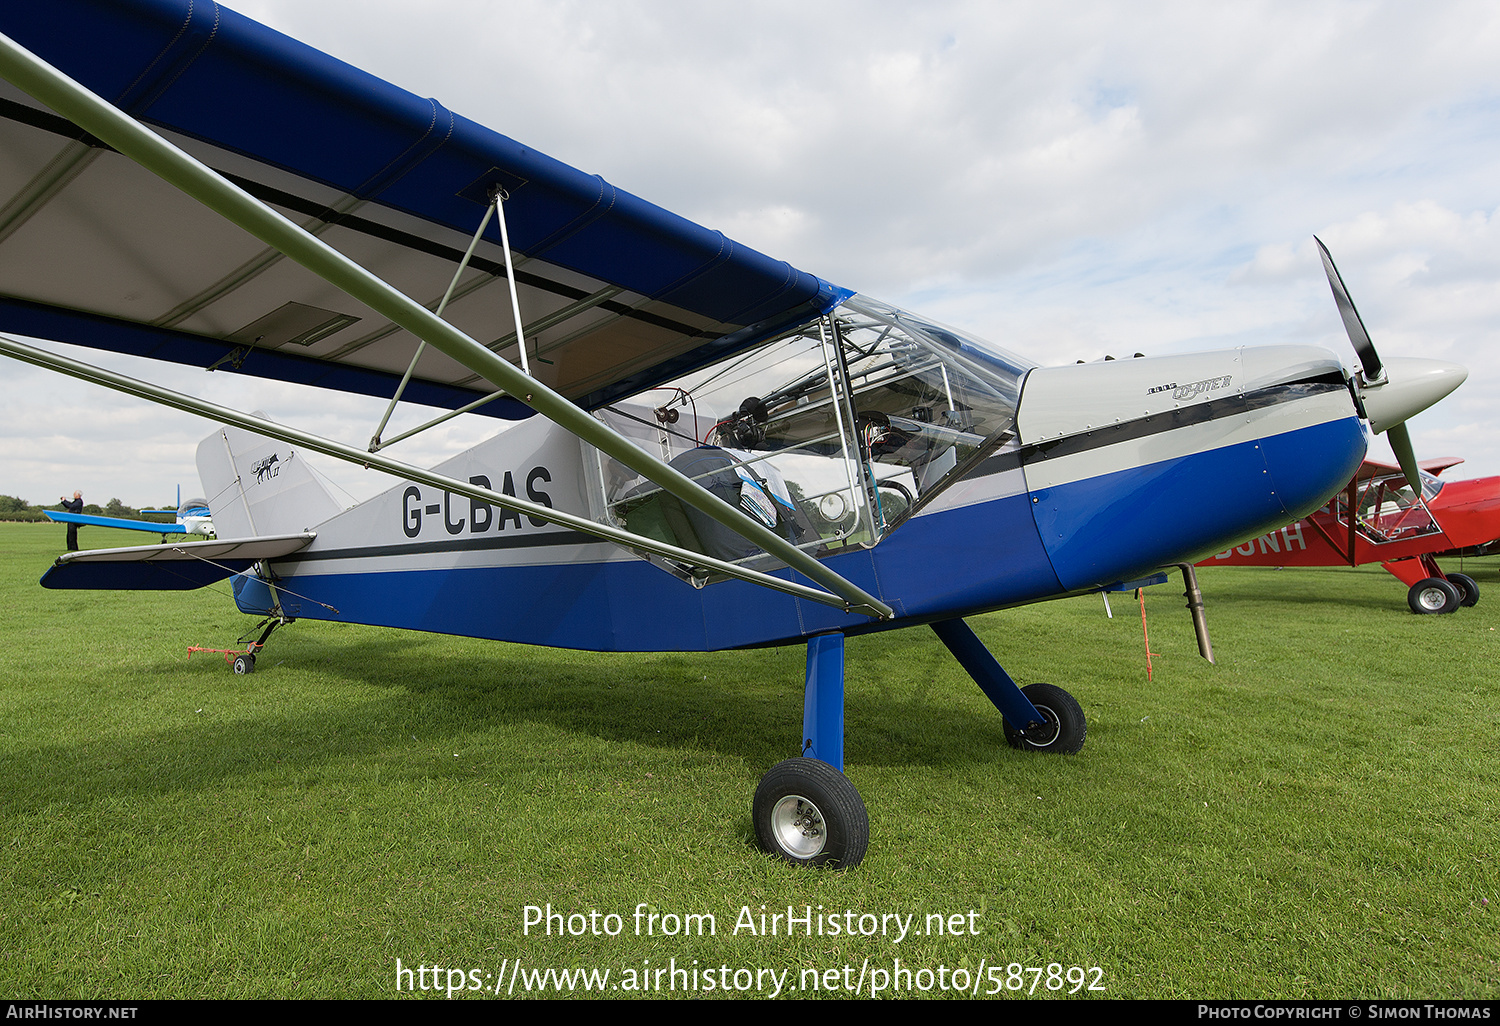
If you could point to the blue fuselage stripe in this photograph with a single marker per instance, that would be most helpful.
(1126, 524)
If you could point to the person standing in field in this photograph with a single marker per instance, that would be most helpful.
(73, 505)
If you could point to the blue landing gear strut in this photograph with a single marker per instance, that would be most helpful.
(823, 701)
(1039, 717)
(805, 810)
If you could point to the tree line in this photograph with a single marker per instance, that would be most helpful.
(13, 507)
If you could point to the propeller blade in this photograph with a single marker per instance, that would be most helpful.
(1358, 336)
(1406, 456)
(1389, 394)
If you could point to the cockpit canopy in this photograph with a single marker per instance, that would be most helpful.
(1387, 510)
(832, 433)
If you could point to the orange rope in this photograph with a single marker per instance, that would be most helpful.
(1145, 636)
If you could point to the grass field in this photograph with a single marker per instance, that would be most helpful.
(1314, 817)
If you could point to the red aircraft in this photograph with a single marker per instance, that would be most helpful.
(1390, 526)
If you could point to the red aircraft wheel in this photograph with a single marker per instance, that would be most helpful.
(1468, 591)
(1433, 595)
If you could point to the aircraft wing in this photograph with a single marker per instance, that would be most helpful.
(1375, 468)
(617, 294)
(128, 525)
(176, 566)
(345, 199)
(1440, 464)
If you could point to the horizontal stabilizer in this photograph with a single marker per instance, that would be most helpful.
(128, 525)
(172, 567)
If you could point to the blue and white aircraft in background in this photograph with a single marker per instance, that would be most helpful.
(192, 518)
(701, 447)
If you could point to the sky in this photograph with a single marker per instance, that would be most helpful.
(1068, 180)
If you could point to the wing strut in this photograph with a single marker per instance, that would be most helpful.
(500, 196)
(328, 447)
(496, 205)
(110, 125)
(484, 222)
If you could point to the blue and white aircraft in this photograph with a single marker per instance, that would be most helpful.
(192, 518)
(700, 448)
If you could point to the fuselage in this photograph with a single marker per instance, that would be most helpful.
(1112, 470)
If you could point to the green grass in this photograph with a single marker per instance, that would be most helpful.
(1314, 817)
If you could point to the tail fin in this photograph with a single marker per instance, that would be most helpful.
(258, 486)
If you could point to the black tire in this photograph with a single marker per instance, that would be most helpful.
(1063, 715)
(1468, 590)
(1433, 595)
(807, 813)
(244, 664)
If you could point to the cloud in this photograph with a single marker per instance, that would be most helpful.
(1067, 181)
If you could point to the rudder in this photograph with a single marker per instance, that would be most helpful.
(258, 486)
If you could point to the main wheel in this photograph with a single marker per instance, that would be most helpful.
(244, 663)
(1063, 729)
(1468, 591)
(807, 812)
(1433, 595)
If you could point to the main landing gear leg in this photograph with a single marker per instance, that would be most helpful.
(823, 701)
(805, 810)
(1039, 718)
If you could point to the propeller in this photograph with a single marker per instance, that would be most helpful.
(1392, 391)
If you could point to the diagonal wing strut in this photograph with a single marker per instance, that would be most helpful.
(103, 120)
(155, 393)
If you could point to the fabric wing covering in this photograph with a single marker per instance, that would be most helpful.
(616, 294)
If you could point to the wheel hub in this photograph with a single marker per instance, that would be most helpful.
(1432, 598)
(1043, 734)
(799, 826)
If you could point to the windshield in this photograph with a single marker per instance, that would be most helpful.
(831, 434)
(1389, 510)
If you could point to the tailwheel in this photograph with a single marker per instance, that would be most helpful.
(808, 813)
(1468, 590)
(244, 663)
(1062, 729)
(1435, 595)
